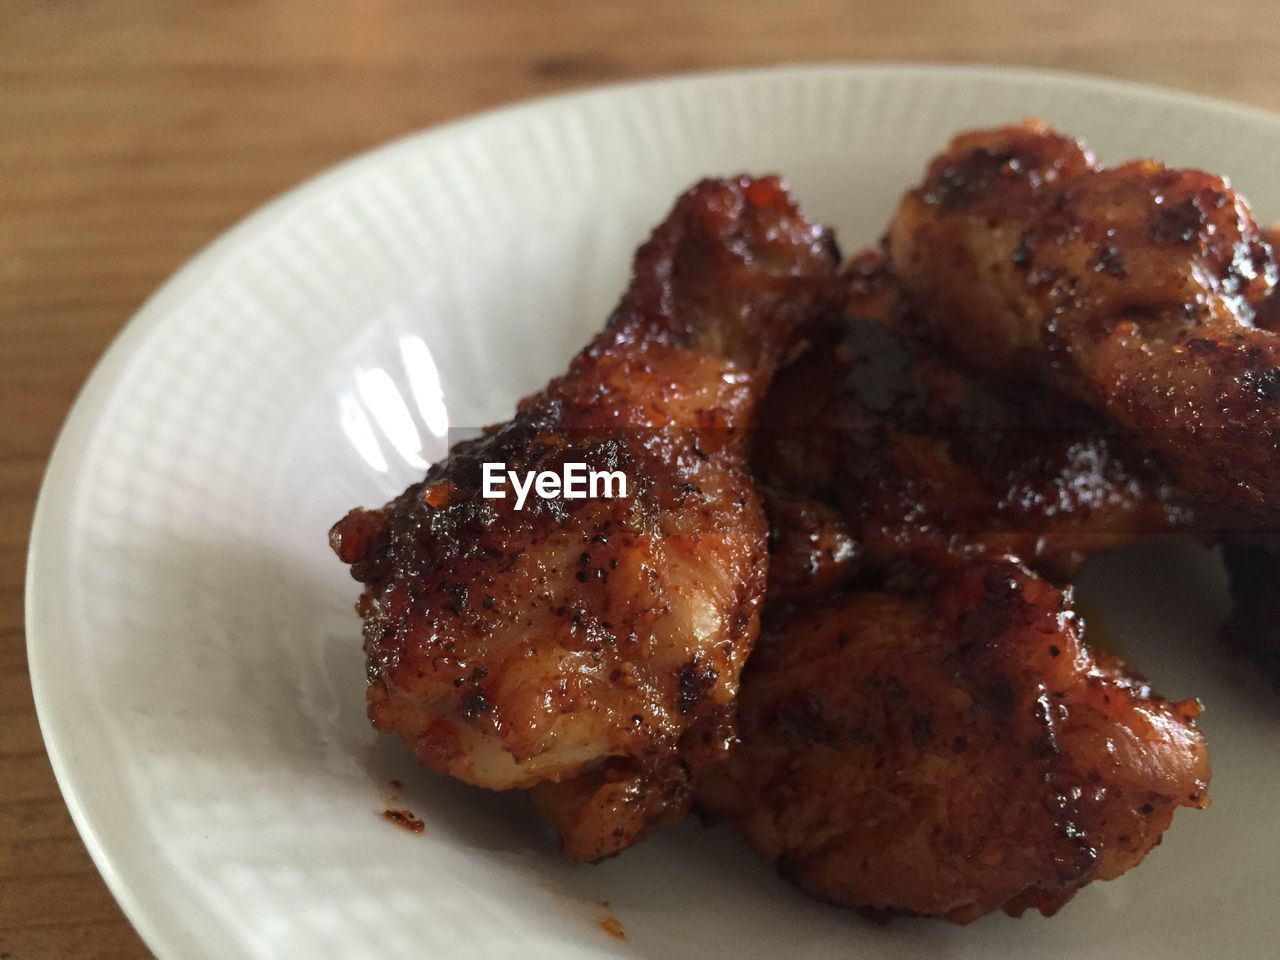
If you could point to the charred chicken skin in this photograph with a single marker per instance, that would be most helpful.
(591, 648)
(922, 729)
(882, 457)
(1134, 288)
(952, 754)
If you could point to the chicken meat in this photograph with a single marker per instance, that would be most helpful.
(1135, 288)
(880, 458)
(951, 753)
(590, 648)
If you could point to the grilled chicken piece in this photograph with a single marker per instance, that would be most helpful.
(880, 457)
(1134, 288)
(593, 646)
(954, 749)
(953, 754)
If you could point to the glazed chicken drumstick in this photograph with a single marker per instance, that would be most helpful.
(1134, 287)
(591, 648)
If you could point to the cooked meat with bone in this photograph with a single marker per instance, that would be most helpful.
(943, 744)
(1048, 358)
(592, 647)
(1134, 288)
(951, 755)
(878, 456)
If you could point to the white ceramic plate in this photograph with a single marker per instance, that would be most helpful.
(195, 656)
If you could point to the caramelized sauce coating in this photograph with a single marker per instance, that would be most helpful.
(591, 648)
(922, 729)
(880, 457)
(1134, 288)
(404, 819)
(951, 754)
(933, 737)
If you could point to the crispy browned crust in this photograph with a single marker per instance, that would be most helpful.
(588, 638)
(952, 754)
(1134, 288)
(879, 457)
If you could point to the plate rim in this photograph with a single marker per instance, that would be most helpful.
(48, 543)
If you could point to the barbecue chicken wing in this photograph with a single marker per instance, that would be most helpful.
(878, 457)
(953, 754)
(593, 646)
(1134, 288)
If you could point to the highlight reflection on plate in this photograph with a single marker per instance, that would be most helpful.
(377, 414)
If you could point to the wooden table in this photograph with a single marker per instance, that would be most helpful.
(132, 132)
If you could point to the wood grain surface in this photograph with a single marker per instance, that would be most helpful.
(132, 132)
